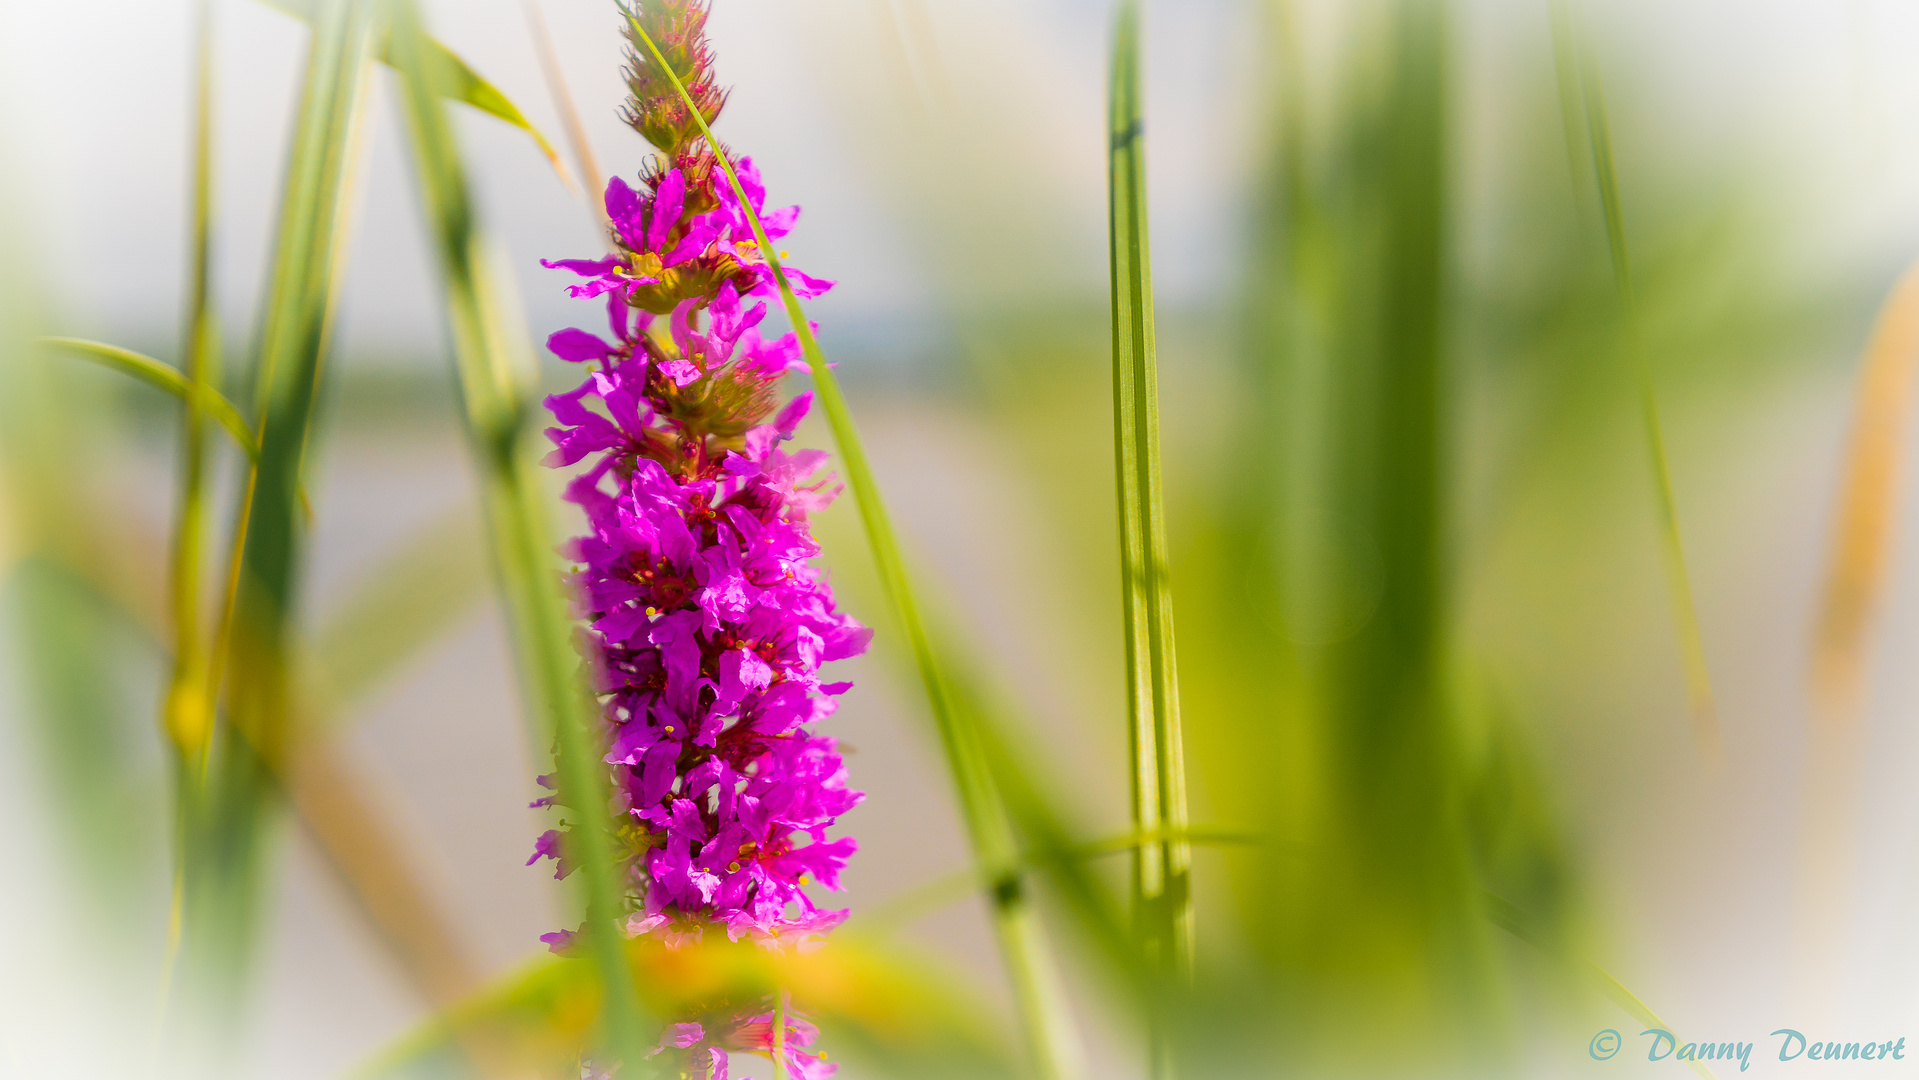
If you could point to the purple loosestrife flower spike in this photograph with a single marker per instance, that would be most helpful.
(706, 623)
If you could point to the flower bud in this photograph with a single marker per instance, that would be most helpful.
(655, 109)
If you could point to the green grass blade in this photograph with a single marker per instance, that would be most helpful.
(496, 396)
(450, 77)
(1571, 49)
(1510, 918)
(187, 712)
(583, 158)
(166, 377)
(1162, 896)
(1049, 1028)
(925, 899)
(225, 888)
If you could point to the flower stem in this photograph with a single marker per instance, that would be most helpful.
(495, 385)
(187, 714)
(1161, 869)
(223, 899)
(1579, 76)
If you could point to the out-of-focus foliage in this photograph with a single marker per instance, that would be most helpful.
(888, 1010)
(1404, 489)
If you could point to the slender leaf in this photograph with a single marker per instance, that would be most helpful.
(1042, 1002)
(1510, 918)
(495, 384)
(166, 377)
(1162, 891)
(450, 77)
(224, 881)
(1571, 48)
(576, 138)
(188, 712)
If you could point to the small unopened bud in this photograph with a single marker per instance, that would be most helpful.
(655, 109)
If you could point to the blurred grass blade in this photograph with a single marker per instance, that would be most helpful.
(1162, 896)
(1045, 840)
(576, 137)
(224, 883)
(450, 77)
(1041, 1000)
(1829, 851)
(1868, 503)
(494, 382)
(166, 377)
(365, 849)
(1570, 47)
(931, 896)
(1508, 917)
(186, 714)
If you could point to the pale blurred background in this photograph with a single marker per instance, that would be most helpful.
(950, 159)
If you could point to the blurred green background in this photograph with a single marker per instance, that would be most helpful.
(1427, 658)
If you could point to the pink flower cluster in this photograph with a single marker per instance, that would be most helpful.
(708, 622)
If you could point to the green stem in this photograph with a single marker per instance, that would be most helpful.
(224, 895)
(187, 714)
(495, 388)
(1584, 80)
(1161, 871)
(1041, 1000)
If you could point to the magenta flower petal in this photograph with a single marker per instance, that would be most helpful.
(583, 267)
(578, 345)
(778, 223)
(703, 619)
(623, 210)
(668, 202)
(788, 421)
(682, 1035)
(804, 285)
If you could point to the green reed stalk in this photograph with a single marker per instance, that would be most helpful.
(224, 887)
(1041, 999)
(187, 714)
(1583, 80)
(1162, 869)
(496, 386)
